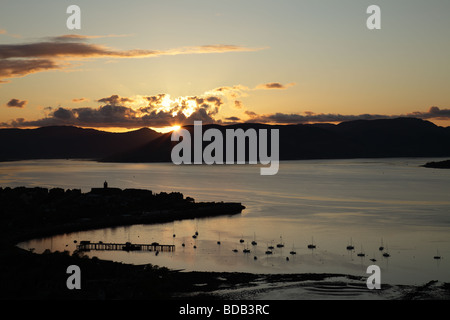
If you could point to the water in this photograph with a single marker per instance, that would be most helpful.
(330, 202)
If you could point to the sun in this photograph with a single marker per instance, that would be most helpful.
(167, 129)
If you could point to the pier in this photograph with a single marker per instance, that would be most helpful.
(128, 246)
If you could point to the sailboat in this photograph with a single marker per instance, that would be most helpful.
(281, 244)
(293, 251)
(437, 256)
(361, 254)
(269, 250)
(381, 248)
(312, 245)
(196, 228)
(254, 243)
(246, 250)
(242, 239)
(218, 242)
(350, 246)
(386, 254)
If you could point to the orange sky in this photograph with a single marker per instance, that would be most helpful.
(159, 64)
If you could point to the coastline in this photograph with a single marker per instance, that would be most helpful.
(29, 213)
(30, 276)
(445, 164)
(26, 275)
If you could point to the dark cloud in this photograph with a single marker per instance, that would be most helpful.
(16, 103)
(19, 68)
(115, 100)
(311, 117)
(294, 118)
(274, 85)
(238, 104)
(232, 119)
(18, 60)
(432, 113)
(156, 116)
(63, 114)
(216, 100)
(156, 99)
(160, 111)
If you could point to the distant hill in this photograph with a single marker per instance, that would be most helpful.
(60, 142)
(438, 165)
(400, 137)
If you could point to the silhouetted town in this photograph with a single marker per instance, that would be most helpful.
(33, 211)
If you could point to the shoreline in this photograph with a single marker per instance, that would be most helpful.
(445, 164)
(28, 275)
(211, 209)
(108, 280)
(58, 211)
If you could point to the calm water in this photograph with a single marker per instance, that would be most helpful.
(327, 201)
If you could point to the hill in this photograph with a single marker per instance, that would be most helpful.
(61, 142)
(401, 137)
(438, 165)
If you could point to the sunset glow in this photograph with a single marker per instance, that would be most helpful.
(248, 151)
(129, 76)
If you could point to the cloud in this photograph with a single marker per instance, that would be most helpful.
(78, 37)
(162, 110)
(232, 119)
(16, 103)
(295, 118)
(18, 60)
(77, 100)
(63, 114)
(311, 117)
(432, 113)
(238, 91)
(130, 112)
(115, 100)
(273, 85)
(19, 68)
(63, 49)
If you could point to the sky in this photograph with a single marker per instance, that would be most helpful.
(164, 63)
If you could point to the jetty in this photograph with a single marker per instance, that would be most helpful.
(128, 246)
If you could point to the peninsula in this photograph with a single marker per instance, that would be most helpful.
(34, 212)
(438, 165)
